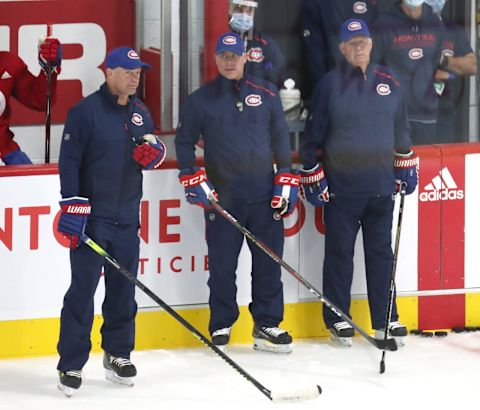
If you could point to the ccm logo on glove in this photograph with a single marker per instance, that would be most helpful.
(194, 179)
(286, 179)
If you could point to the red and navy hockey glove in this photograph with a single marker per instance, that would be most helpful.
(285, 191)
(405, 167)
(314, 185)
(198, 189)
(50, 54)
(150, 154)
(73, 220)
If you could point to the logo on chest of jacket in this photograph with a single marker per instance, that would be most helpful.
(415, 53)
(383, 89)
(137, 119)
(253, 100)
(360, 7)
(255, 55)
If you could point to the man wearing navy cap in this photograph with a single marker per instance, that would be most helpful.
(359, 122)
(107, 142)
(241, 121)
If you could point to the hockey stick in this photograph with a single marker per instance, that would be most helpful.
(48, 113)
(394, 272)
(304, 394)
(389, 344)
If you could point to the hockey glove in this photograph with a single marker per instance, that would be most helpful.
(198, 189)
(406, 171)
(17, 157)
(285, 191)
(150, 154)
(50, 54)
(73, 220)
(314, 185)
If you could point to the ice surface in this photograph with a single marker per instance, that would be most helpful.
(436, 372)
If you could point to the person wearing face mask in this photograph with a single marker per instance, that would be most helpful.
(458, 61)
(320, 22)
(265, 59)
(408, 38)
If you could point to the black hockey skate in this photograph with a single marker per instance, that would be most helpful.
(221, 337)
(271, 339)
(396, 330)
(69, 382)
(119, 370)
(341, 333)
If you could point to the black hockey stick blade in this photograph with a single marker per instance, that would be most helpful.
(389, 344)
(304, 394)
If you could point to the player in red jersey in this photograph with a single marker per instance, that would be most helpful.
(18, 82)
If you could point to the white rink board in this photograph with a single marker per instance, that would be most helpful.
(35, 280)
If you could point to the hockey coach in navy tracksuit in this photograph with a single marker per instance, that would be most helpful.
(359, 121)
(241, 121)
(106, 143)
(408, 38)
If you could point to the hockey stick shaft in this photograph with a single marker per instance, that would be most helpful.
(389, 344)
(48, 113)
(394, 272)
(97, 248)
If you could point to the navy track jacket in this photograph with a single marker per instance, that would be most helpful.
(265, 59)
(412, 48)
(244, 132)
(96, 155)
(320, 23)
(357, 121)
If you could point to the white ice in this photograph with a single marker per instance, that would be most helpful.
(435, 372)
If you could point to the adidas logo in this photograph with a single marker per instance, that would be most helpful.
(5, 76)
(442, 188)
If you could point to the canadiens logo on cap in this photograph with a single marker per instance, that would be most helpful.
(229, 40)
(383, 89)
(360, 7)
(133, 55)
(253, 100)
(415, 53)
(354, 26)
(137, 119)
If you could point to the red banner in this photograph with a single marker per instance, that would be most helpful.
(87, 29)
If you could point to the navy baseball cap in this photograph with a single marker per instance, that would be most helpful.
(352, 28)
(125, 57)
(230, 42)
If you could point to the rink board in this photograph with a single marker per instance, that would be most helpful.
(437, 278)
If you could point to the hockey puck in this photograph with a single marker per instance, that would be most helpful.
(415, 332)
(458, 329)
(441, 333)
(426, 334)
(470, 329)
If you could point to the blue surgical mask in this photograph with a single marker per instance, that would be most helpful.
(436, 5)
(241, 22)
(413, 4)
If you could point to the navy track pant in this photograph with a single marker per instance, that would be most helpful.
(224, 244)
(119, 307)
(343, 219)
